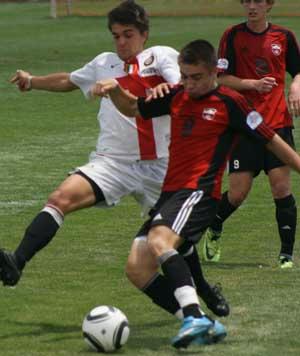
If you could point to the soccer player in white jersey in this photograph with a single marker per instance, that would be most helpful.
(131, 154)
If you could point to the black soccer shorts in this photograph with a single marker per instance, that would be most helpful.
(187, 212)
(251, 156)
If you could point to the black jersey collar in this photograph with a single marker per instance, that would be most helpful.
(257, 33)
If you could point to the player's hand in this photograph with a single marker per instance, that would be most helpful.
(159, 91)
(265, 85)
(294, 100)
(102, 88)
(22, 79)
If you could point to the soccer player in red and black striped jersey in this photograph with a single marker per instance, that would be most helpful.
(205, 119)
(254, 57)
(131, 154)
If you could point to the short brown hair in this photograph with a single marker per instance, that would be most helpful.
(129, 13)
(199, 51)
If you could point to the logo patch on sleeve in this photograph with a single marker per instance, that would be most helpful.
(149, 61)
(223, 63)
(254, 119)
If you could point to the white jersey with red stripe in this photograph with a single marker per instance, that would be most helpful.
(122, 137)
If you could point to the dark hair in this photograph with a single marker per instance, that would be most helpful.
(199, 51)
(129, 13)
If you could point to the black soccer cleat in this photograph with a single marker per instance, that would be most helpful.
(215, 301)
(9, 270)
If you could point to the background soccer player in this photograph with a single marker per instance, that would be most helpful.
(254, 57)
(205, 119)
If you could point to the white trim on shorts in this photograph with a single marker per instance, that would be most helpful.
(186, 210)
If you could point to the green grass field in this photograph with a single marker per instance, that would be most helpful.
(42, 136)
(175, 7)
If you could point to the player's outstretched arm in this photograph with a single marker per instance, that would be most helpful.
(25, 81)
(125, 102)
(284, 152)
(294, 96)
(263, 85)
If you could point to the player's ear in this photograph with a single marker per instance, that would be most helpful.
(214, 70)
(145, 34)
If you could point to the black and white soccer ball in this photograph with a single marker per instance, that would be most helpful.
(105, 328)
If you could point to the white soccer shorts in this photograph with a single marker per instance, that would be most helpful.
(117, 179)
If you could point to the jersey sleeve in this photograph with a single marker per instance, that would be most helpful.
(248, 121)
(168, 64)
(85, 77)
(156, 107)
(226, 54)
(292, 55)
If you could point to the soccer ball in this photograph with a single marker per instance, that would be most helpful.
(105, 328)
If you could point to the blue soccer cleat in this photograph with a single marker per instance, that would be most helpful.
(215, 334)
(191, 329)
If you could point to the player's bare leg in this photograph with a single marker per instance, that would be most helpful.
(196, 327)
(142, 271)
(73, 194)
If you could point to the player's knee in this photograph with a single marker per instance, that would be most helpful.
(131, 271)
(236, 198)
(280, 190)
(139, 274)
(61, 200)
(157, 241)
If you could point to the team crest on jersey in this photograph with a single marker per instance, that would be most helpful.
(149, 61)
(276, 49)
(254, 119)
(187, 127)
(209, 113)
(223, 63)
(261, 66)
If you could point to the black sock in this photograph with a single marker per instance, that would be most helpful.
(192, 310)
(179, 276)
(193, 261)
(37, 235)
(225, 209)
(286, 216)
(161, 293)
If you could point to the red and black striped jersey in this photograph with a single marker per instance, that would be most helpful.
(202, 134)
(250, 55)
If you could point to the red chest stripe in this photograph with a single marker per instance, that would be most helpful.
(138, 86)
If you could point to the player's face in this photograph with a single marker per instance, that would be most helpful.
(256, 10)
(129, 41)
(197, 79)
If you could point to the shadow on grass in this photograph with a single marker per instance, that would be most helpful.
(143, 336)
(159, 340)
(233, 265)
(40, 329)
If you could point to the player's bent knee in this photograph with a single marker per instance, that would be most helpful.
(237, 198)
(158, 241)
(139, 275)
(280, 191)
(141, 264)
(131, 273)
(60, 200)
